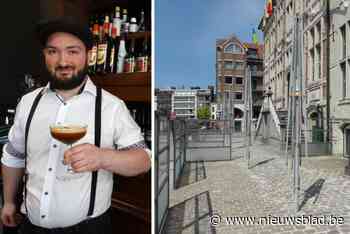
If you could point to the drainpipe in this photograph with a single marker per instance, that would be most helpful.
(328, 18)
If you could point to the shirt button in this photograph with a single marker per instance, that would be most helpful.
(46, 193)
(43, 216)
(54, 146)
(50, 169)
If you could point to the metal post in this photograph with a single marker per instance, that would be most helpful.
(248, 109)
(302, 87)
(230, 125)
(296, 111)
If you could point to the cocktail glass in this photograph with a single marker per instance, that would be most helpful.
(68, 134)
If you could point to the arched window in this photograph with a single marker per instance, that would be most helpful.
(233, 48)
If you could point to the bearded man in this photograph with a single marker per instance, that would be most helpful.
(57, 200)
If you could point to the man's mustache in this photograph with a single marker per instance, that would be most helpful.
(64, 68)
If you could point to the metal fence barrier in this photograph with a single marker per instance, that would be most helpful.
(162, 162)
(179, 148)
(213, 136)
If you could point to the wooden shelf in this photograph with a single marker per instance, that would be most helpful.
(130, 87)
(107, 5)
(138, 35)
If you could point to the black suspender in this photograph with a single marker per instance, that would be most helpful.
(29, 120)
(97, 143)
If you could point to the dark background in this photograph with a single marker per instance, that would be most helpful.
(19, 48)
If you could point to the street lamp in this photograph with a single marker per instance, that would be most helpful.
(265, 112)
(343, 5)
(267, 95)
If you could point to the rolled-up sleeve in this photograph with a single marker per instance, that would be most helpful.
(128, 133)
(13, 151)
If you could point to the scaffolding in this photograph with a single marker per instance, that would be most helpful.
(296, 125)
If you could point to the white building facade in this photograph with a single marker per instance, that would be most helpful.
(339, 36)
(184, 103)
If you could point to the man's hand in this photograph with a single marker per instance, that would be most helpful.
(8, 215)
(84, 157)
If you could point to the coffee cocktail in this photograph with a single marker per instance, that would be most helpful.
(68, 134)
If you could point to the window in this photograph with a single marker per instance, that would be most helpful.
(343, 71)
(233, 48)
(238, 66)
(254, 82)
(233, 65)
(228, 79)
(343, 40)
(239, 80)
(228, 65)
(239, 96)
(318, 62)
(312, 37)
(347, 136)
(311, 65)
(318, 30)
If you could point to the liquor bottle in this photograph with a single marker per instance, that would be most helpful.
(129, 63)
(124, 22)
(141, 26)
(102, 48)
(91, 24)
(149, 54)
(121, 54)
(111, 17)
(132, 56)
(133, 25)
(134, 114)
(117, 21)
(111, 51)
(93, 53)
(141, 64)
(116, 54)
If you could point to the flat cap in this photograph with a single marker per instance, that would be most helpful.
(63, 24)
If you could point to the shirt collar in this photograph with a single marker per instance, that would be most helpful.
(88, 87)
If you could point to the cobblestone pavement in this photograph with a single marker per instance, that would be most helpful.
(229, 188)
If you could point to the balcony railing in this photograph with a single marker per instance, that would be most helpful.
(257, 73)
(252, 56)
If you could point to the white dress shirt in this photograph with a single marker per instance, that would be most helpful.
(56, 197)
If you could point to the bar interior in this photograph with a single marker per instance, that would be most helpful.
(22, 68)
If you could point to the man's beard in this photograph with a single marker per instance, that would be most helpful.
(67, 83)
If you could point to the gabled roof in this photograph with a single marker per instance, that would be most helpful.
(225, 41)
(259, 48)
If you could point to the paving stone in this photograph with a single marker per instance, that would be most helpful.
(298, 232)
(231, 190)
(333, 232)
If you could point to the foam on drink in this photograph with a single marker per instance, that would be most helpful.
(68, 134)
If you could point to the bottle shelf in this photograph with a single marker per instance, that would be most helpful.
(134, 86)
(107, 5)
(138, 35)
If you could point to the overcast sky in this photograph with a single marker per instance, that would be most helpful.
(186, 31)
